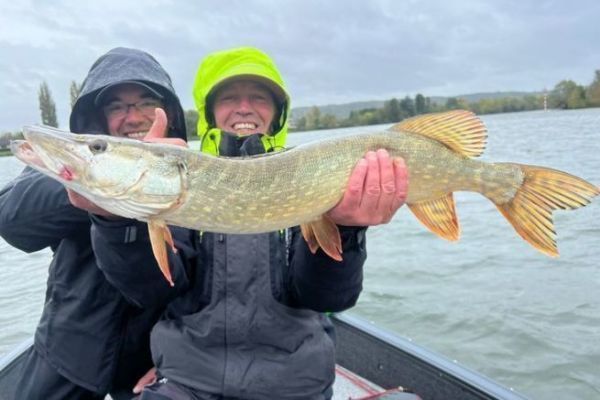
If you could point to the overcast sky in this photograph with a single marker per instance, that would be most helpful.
(328, 51)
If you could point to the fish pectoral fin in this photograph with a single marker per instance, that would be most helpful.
(323, 233)
(544, 190)
(460, 130)
(160, 236)
(439, 216)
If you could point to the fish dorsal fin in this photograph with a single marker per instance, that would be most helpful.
(439, 216)
(460, 130)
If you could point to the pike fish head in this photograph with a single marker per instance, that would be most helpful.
(124, 176)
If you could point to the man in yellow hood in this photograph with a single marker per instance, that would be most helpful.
(378, 185)
(250, 321)
(240, 66)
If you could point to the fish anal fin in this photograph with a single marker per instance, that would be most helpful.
(460, 130)
(439, 216)
(323, 233)
(544, 190)
(160, 236)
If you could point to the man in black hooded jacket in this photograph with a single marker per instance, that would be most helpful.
(249, 322)
(90, 339)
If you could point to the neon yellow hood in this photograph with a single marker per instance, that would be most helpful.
(223, 65)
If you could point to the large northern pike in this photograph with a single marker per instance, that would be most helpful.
(164, 184)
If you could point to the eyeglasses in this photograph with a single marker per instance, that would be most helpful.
(119, 109)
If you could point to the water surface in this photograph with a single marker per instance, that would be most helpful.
(489, 301)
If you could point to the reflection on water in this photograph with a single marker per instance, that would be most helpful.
(489, 301)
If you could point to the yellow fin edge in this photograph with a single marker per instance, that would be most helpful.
(544, 190)
(439, 216)
(460, 130)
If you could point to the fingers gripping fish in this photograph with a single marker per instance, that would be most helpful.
(169, 185)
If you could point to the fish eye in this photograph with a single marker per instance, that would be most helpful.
(98, 146)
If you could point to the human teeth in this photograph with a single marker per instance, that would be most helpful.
(244, 125)
(136, 135)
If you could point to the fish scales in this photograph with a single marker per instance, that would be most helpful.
(165, 184)
(292, 187)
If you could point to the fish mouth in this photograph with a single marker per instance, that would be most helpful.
(25, 152)
(52, 153)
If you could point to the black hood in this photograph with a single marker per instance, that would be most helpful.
(122, 65)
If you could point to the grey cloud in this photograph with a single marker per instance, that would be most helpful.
(328, 51)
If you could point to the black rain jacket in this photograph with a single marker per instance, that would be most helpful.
(88, 331)
(249, 311)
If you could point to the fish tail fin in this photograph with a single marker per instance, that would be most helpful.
(323, 233)
(160, 236)
(544, 190)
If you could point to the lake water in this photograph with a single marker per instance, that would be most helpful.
(489, 301)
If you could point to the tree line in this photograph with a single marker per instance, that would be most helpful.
(47, 112)
(567, 94)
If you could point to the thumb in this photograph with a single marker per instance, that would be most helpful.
(159, 126)
(158, 130)
(148, 379)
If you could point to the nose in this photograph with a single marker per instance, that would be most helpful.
(244, 106)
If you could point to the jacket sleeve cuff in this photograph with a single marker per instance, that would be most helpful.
(353, 237)
(323, 284)
(120, 230)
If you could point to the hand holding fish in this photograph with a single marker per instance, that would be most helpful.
(376, 189)
(81, 202)
(166, 185)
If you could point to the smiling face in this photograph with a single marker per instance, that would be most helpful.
(129, 111)
(244, 107)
